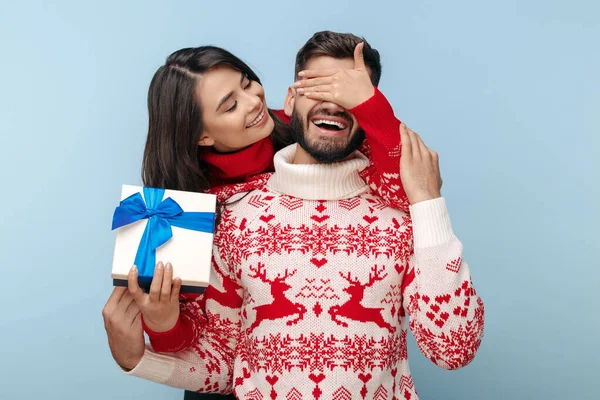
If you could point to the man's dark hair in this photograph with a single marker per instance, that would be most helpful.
(338, 45)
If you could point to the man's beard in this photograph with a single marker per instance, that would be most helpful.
(326, 150)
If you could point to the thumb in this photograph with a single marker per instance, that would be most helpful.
(405, 143)
(359, 60)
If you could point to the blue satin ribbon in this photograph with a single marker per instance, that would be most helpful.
(161, 215)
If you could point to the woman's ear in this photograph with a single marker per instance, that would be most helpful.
(205, 140)
(290, 100)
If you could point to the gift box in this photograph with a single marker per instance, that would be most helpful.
(164, 225)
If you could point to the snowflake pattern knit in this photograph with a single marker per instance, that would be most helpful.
(311, 289)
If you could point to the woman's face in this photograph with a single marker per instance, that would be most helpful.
(234, 110)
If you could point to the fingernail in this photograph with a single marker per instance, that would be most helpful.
(160, 265)
(169, 267)
(301, 90)
(297, 84)
(134, 269)
(301, 73)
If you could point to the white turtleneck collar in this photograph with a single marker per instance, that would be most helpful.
(317, 181)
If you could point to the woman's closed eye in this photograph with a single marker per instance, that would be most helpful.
(246, 83)
(232, 108)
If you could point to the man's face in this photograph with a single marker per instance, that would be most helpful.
(326, 131)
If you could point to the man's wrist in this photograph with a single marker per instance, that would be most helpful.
(425, 196)
(431, 223)
(130, 364)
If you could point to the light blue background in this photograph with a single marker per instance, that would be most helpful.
(507, 92)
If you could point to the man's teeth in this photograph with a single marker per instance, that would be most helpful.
(327, 122)
(257, 120)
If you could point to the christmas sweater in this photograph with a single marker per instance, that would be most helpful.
(249, 167)
(314, 276)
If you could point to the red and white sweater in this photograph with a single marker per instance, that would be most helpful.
(311, 290)
(249, 168)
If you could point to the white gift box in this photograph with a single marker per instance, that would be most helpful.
(189, 251)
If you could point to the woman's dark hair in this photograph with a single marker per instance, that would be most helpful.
(171, 157)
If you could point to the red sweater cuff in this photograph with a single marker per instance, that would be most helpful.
(376, 117)
(168, 341)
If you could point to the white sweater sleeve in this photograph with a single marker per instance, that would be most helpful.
(446, 314)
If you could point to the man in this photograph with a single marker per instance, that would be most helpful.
(324, 271)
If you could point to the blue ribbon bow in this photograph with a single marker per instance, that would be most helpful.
(161, 215)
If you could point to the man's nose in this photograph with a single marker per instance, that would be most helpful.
(332, 107)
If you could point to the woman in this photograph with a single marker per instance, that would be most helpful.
(194, 137)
